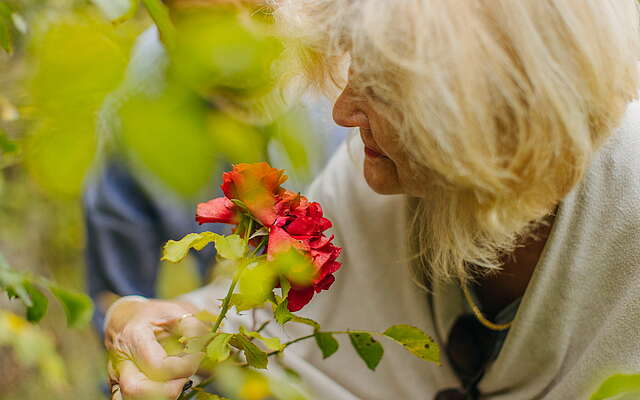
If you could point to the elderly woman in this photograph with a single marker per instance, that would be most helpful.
(492, 199)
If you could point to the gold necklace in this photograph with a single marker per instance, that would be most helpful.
(483, 320)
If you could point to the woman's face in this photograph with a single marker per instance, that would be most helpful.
(386, 166)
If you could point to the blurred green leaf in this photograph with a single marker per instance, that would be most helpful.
(287, 131)
(6, 144)
(617, 385)
(216, 50)
(117, 10)
(257, 282)
(241, 302)
(327, 344)
(40, 303)
(77, 306)
(415, 341)
(255, 357)
(166, 134)
(68, 88)
(209, 396)
(218, 350)
(33, 348)
(295, 266)
(237, 141)
(5, 27)
(176, 251)
(12, 282)
(369, 349)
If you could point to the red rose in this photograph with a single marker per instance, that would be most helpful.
(292, 221)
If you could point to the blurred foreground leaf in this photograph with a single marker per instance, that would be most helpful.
(78, 60)
(33, 348)
(618, 385)
(77, 306)
(6, 144)
(39, 301)
(5, 27)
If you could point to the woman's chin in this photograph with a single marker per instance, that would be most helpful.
(381, 176)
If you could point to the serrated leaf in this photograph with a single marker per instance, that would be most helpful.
(219, 350)
(77, 306)
(369, 349)
(415, 341)
(39, 301)
(231, 247)
(255, 357)
(273, 344)
(176, 251)
(117, 10)
(617, 385)
(327, 343)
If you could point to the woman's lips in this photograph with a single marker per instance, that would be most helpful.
(372, 153)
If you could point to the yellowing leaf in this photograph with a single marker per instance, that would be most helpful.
(231, 247)
(257, 283)
(176, 251)
(415, 341)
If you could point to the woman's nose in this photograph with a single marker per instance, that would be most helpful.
(347, 111)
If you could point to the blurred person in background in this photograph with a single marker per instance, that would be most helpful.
(497, 167)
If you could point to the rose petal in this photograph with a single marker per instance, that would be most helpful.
(298, 298)
(324, 284)
(220, 210)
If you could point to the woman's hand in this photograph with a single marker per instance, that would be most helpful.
(138, 364)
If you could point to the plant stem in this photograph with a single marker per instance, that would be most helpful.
(160, 15)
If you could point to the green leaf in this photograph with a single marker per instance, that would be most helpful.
(241, 302)
(13, 283)
(617, 385)
(294, 266)
(283, 315)
(77, 306)
(415, 341)
(6, 145)
(196, 344)
(117, 10)
(39, 301)
(273, 344)
(231, 247)
(327, 344)
(5, 27)
(176, 251)
(367, 348)
(218, 350)
(255, 357)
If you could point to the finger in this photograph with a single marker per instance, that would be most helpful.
(153, 360)
(116, 394)
(190, 327)
(135, 385)
(112, 373)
